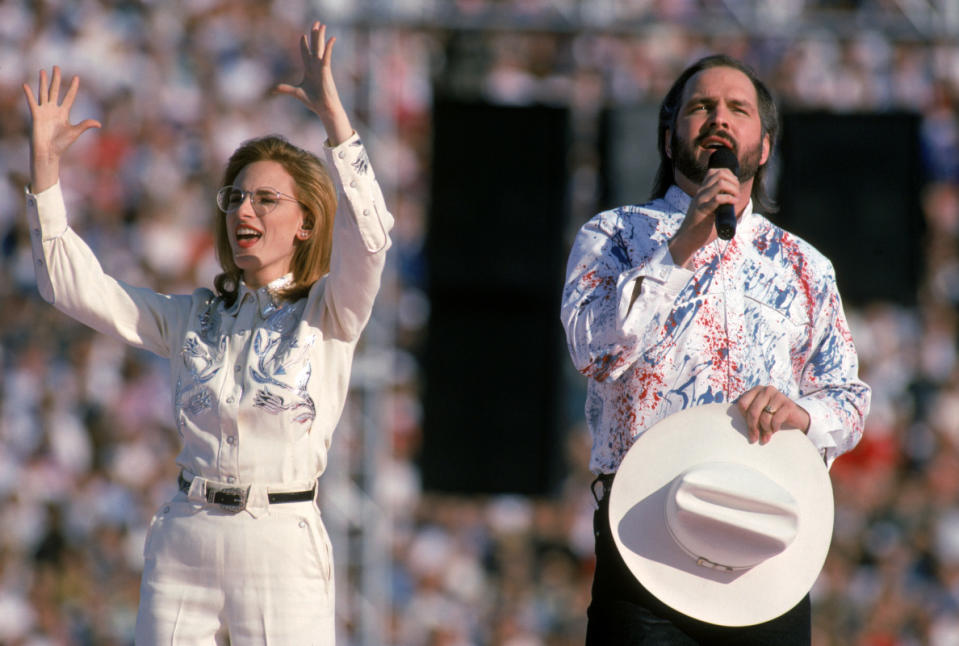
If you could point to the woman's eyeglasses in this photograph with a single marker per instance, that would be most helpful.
(263, 199)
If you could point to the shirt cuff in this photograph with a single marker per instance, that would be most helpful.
(659, 268)
(819, 432)
(356, 182)
(662, 282)
(349, 140)
(46, 212)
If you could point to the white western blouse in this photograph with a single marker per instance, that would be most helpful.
(258, 386)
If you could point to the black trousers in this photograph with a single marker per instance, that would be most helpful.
(623, 612)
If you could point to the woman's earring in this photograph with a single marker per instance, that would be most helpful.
(303, 234)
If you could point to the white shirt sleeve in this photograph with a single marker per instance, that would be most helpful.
(70, 277)
(360, 241)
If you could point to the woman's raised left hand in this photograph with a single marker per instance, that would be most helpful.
(317, 90)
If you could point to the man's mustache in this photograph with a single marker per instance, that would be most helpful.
(717, 134)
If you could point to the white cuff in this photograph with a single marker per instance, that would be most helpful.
(819, 432)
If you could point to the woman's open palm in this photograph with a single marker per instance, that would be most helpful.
(52, 133)
(317, 90)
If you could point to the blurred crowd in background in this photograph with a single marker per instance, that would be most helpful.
(86, 442)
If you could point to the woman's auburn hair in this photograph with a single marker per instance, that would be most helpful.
(315, 192)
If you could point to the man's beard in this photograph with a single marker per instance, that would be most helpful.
(685, 161)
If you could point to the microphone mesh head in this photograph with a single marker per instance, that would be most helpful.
(724, 158)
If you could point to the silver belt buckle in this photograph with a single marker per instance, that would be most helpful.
(240, 493)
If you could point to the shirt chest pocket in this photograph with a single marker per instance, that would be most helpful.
(779, 332)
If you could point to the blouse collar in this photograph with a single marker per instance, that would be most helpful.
(268, 298)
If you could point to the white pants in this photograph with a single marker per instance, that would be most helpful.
(212, 577)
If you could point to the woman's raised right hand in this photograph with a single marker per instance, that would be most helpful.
(51, 133)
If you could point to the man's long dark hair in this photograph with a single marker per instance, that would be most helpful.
(669, 109)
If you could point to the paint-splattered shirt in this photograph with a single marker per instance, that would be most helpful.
(762, 309)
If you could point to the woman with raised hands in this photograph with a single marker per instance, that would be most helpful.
(260, 364)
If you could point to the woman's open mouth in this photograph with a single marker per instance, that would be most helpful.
(247, 236)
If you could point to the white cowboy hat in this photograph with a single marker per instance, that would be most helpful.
(727, 532)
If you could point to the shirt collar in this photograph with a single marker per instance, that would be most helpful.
(268, 298)
(679, 201)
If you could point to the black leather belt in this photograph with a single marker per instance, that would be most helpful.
(234, 498)
(606, 480)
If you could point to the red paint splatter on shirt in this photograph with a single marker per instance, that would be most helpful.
(715, 343)
(592, 279)
(790, 246)
(645, 394)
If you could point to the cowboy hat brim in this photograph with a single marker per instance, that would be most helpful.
(710, 433)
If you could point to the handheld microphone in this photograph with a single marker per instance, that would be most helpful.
(726, 213)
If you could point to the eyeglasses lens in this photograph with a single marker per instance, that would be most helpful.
(263, 200)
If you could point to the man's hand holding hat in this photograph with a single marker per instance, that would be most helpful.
(768, 411)
(724, 530)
